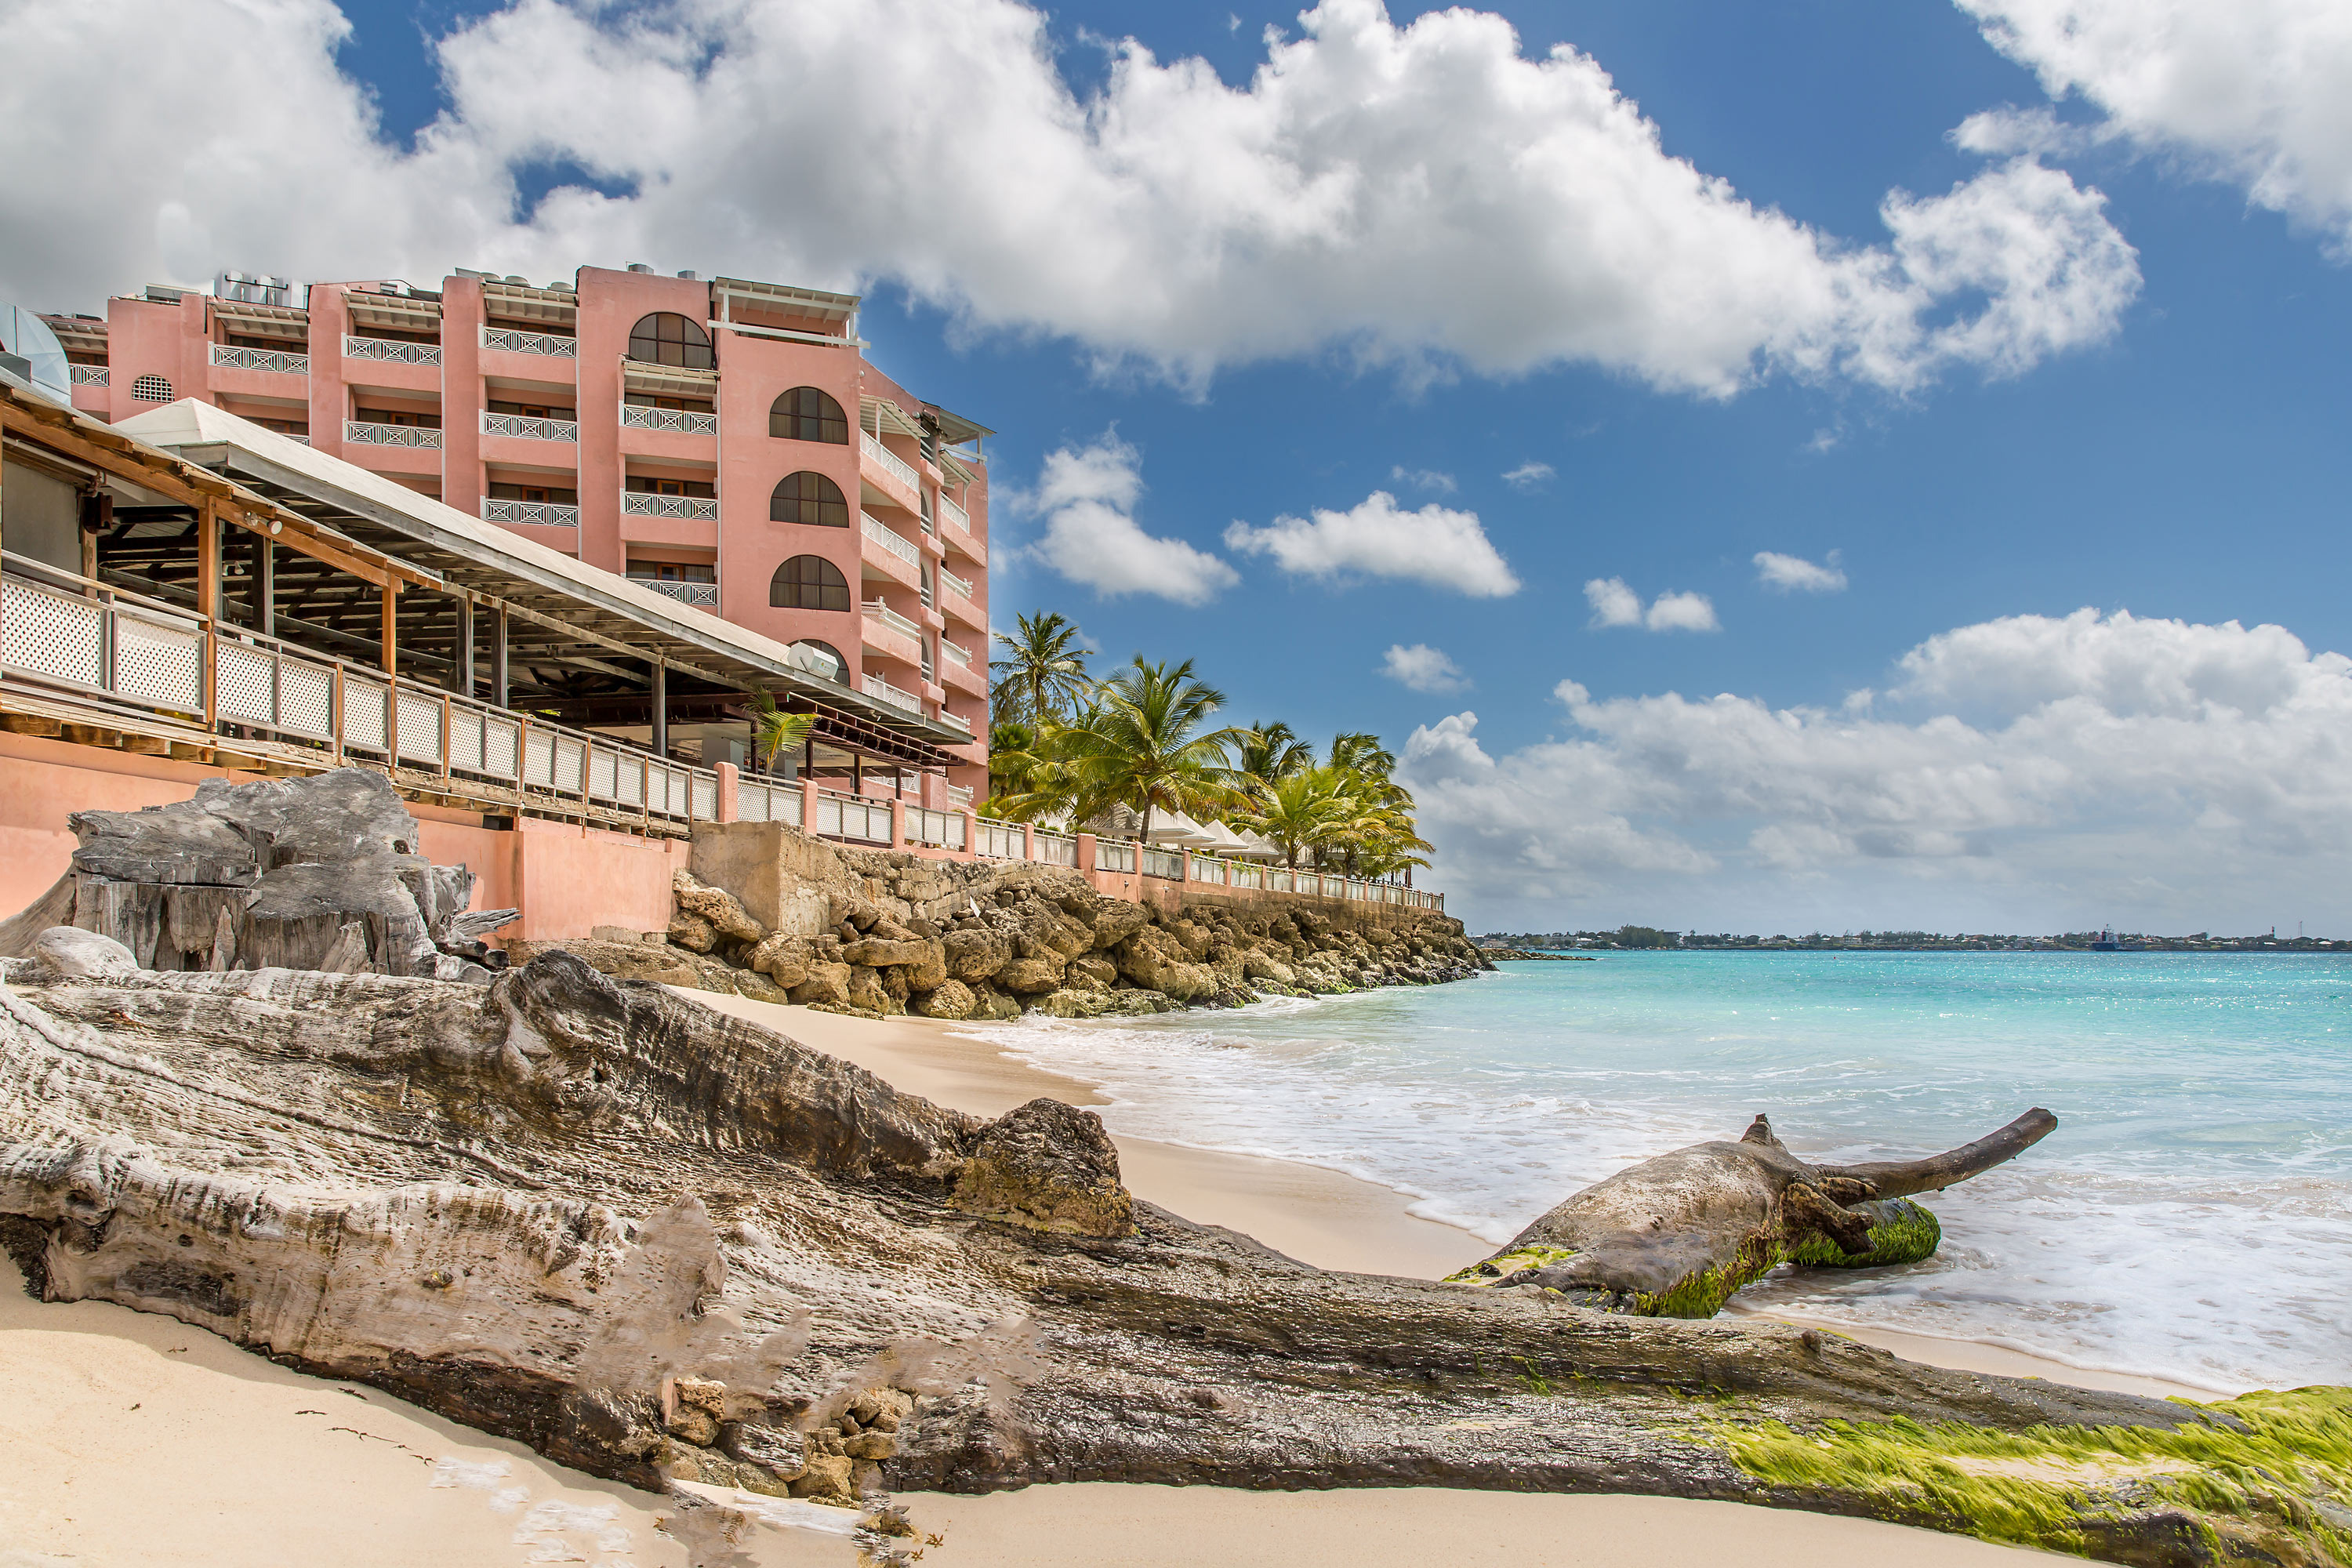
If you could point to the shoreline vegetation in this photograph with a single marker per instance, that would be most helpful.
(1649, 939)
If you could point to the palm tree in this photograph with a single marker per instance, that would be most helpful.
(1300, 811)
(1046, 674)
(1265, 753)
(1143, 744)
(774, 731)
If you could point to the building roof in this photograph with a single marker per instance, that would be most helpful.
(607, 611)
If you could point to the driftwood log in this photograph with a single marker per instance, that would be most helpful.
(1674, 1236)
(661, 1244)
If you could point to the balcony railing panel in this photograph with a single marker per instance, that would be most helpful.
(759, 802)
(953, 584)
(391, 350)
(529, 428)
(955, 720)
(852, 816)
(703, 596)
(882, 690)
(956, 653)
(1114, 855)
(89, 374)
(230, 356)
(367, 433)
(892, 539)
(1000, 840)
(1167, 863)
(685, 421)
(1053, 849)
(889, 462)
(875, 609)
(940, 829)
(534, 514)
(547, 345)
(959, 794)
(643, 503)
(954, 515)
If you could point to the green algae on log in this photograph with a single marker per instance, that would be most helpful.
(1676, 1236)
(2267, 1479)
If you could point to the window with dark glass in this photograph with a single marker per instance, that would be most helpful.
(809, 582)
(671, 571)
(662, 400)
(396, 416)
(547, 495)
(811, 500)
(530, 410)
(667, 338)
(646, 486)
(808, 414)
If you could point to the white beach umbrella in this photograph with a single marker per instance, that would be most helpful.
(1222, 841)
(1175, 828)
(1255, 847)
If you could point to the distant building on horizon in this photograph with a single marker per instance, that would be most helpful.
(724, 442)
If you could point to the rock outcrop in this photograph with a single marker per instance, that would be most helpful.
(658, 1243)
(310, 873)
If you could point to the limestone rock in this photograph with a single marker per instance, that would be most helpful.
(975, 952)
(866, 993)
(989, 1002)
(877, 952)
(826, 983)
(1152, 959)
(1030, 976)
(825, 1478)
(715, 905)
(1116, 919)
(1048, 1165)
(948, 999)
(783, 959)
(1099, 972)
(691, 931)
(68, 953)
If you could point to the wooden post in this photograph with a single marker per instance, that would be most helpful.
(335, 714)
(391, 626)
(266, 593)
(661, 708)
(391, 630)
(447, 726)
(465, 660)
(208, 584)
(498, 656)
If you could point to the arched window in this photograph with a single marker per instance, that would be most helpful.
(808, 583)
(667, 338)
(807, 414)
(840, 670)
(809, 500)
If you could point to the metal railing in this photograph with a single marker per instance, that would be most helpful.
(882, 690)
(89, 374)
(645, 503)
(889, 617)
(528, 428)
(1114, 855)
(537, 513)
(892, 539)
(889, 462)
(368, 433)
(940, 829)
(391, 350)
(1000, 840)
(852, 816)
(702, 595)
(685, 421)
(759, 801)
(1167, 863)
(511, 340)
(230, 356)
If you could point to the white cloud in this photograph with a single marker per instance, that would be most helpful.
(2032, 773)
(1424, 478)
(1529, 475)
(1615, 605)
(1425, 196)
(1795, 575)
(2255, 92)
(1422, 668)
(1443, 547)
(1088, 495)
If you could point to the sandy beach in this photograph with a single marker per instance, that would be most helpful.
(133, 1439)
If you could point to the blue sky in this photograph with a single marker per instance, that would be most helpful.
(2169, 444)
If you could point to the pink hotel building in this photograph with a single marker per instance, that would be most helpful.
(724, 442)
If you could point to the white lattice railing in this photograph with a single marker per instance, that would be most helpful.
(391, 350)
(953, 515)
(704, 595)
(889, 462)
(645, 503)
(882, 690)
(685, 421)
(528, 428)
(537, 513)
(876, 610)
(368, 433)
(90, 375)
(230, 356)
(892, 539)
(547, 345)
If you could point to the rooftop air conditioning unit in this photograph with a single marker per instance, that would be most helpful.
(256, 288)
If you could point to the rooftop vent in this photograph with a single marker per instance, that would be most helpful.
(640, 267)
(166, 294)
(688, 276)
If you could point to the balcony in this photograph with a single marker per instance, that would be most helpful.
(684, 421)
(955, 722)
(530, 513)
(892, 541)
(899, 472)
(391, 350)
(876, 610)
(228, 356)
(529, 428)
(367, 433)
(701, 595)
(959, 795)
(642, 503)
(957, 653)
(882, 690)
(506, 340)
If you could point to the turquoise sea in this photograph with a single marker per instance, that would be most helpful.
(2190, 1217)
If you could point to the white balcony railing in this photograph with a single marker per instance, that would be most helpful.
(229, 356)
(536, 513)
(955, 720)
(643, 503)
(368, 433)
(685, 421)
(892, 541)
(391, 350)
(90, 375)
(547, 345)
(877, 610)
(882, 690)
(954, 583)
(960, 793)
(954, 515)
(889, 462)
(529, 428)
(704, 595)
(957, 653)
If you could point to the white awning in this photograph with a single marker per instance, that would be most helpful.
(1175, 828)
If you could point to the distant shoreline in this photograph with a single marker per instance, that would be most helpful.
(2308, 949)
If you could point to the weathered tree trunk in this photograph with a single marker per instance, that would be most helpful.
(659, 1243)
(1675, 1236)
